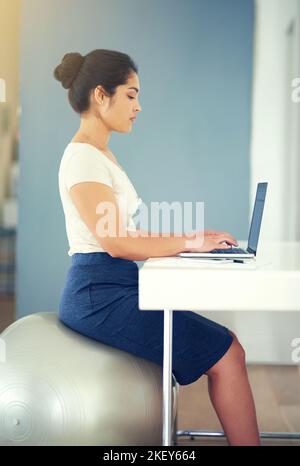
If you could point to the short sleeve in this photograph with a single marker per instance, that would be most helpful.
(87, 166)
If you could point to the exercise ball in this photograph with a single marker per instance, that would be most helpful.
(58, 387)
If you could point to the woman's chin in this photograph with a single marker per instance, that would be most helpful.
(128, 129)
(125, 128)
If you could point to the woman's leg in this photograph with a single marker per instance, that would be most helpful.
(231, 396)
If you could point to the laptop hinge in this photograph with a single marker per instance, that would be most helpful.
(251, 251)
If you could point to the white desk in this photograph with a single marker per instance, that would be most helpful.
(177, 283)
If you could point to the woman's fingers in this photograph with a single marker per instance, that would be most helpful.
(225, 239)
(223, 246)
(221, 233)
(230, 236)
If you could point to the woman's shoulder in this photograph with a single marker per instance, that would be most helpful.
(83, 151)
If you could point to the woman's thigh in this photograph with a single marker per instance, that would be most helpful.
(198, 342)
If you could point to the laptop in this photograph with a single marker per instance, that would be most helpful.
(235, 252)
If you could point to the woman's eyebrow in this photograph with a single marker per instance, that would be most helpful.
(134, 89)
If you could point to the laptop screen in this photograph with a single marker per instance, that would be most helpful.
(257, 216)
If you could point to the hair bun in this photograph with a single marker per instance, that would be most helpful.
(68, 69)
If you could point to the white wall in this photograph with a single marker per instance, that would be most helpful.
(275, 118)
(275, 158)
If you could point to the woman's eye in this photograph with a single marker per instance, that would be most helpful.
(130, 97)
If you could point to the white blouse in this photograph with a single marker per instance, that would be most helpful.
(84, 162)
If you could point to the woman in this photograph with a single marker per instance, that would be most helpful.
(100, 298)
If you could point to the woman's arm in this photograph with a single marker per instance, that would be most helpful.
(87, 197)
(93, 200)
(148, 244)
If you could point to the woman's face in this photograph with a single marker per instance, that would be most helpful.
(117, 112)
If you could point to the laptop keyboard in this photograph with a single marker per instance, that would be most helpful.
(229, 251)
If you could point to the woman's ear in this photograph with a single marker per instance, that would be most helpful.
(99, 94)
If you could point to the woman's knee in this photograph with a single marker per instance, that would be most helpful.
(238, 349)
(234, 356)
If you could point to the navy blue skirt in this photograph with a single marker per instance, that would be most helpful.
(100, 301)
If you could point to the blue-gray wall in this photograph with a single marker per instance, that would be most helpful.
(190, 142)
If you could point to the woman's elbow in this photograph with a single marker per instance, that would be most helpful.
(110, 246)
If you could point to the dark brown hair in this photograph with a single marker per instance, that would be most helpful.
(80, 74)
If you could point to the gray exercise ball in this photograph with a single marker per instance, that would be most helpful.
(58, 387)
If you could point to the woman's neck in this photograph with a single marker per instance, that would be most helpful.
(93, 131)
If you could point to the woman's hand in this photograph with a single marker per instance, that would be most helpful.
(208, 240)
(216, 233)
